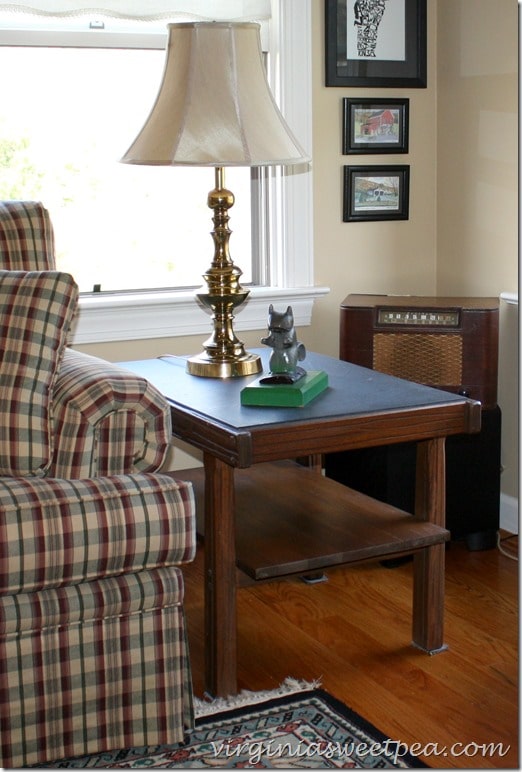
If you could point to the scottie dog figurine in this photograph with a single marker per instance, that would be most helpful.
(286, 349)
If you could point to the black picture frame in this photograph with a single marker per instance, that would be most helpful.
(376, 193)
(375, 125)
(394, 53)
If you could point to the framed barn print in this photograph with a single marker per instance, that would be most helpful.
(376, 193)
(376, 43)
(375, 125)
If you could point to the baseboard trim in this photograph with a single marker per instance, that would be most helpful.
(509, 513)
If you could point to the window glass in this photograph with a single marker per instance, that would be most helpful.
(67, 115)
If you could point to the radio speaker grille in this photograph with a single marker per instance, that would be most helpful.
(430, 359)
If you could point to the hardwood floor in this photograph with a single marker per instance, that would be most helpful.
(353, 634)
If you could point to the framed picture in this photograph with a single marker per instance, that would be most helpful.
(376, 193)
(376, 43)
(375, 125)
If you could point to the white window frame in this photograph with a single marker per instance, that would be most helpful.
(146, 315)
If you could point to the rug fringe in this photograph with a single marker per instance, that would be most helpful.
(204, 707)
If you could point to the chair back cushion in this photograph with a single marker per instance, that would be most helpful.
(26, 237)
(36, 311)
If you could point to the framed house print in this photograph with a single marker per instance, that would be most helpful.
(375, 125)
(376, 193)
(376, 43)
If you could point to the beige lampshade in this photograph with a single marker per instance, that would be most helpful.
(214, 106)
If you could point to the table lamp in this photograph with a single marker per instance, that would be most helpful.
(215, 108)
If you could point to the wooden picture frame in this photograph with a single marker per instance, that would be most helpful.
(376, 193)
(375, 125)
(376, 43)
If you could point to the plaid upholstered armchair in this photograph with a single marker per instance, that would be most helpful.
(93, 652)
(107, 421)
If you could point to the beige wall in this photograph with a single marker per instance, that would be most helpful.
(396, 257)
(477, 118)
(461, 237)
(477, 184)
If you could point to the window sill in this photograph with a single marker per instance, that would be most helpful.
(150, 315)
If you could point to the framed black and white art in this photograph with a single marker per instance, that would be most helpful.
(376, 43)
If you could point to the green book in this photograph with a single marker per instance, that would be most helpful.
(285, 394)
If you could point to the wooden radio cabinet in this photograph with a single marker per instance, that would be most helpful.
(447, 342)
(450, 343)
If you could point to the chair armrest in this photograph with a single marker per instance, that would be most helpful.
(63, 532)
(107, 420)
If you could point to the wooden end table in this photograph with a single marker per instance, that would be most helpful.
(361, 408)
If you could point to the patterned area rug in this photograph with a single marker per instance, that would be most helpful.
(298, 730)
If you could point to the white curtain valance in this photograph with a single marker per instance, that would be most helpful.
(208, 10)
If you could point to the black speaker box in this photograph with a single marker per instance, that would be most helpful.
(387, 473)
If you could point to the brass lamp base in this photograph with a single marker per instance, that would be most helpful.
(203, 365)
(224, 355)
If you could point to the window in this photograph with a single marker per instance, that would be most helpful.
(283, 275)
(67, 114)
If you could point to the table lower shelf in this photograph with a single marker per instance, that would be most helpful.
(292, 520)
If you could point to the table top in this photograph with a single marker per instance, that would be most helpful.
(352, 391)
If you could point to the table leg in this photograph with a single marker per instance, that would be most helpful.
(220, 579)
(314, 461)
(428, 577)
